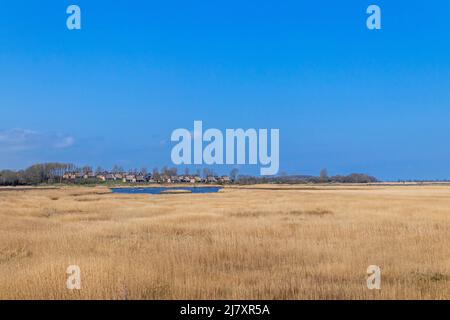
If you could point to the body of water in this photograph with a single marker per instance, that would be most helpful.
(159, 190)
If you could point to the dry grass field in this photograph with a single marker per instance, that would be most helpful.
(252, 243)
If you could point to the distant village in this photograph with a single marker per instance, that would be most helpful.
(55, 172)
(142, 178)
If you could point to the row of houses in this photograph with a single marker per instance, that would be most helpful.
(144, 178)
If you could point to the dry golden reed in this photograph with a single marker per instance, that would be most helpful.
(241, 243)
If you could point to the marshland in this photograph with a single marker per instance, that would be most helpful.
(256, 242)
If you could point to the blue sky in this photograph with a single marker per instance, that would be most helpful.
(344, 97)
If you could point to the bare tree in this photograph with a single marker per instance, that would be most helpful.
(155, 174)
(117, 169)
(324, 175)
(87, 169)
(233, 174)
(207, 172)
(172, 171)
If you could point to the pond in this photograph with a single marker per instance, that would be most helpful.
(164, 190)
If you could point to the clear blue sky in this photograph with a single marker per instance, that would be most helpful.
(343, 97)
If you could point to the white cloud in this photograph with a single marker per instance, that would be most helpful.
(25, 139)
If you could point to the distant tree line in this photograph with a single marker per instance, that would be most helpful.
(303, 179)
(54, 172)
(36, 174)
